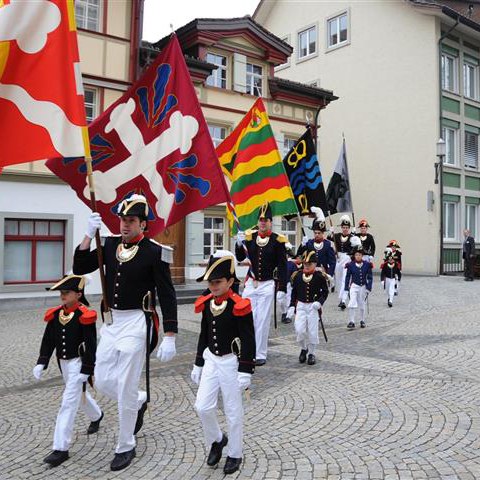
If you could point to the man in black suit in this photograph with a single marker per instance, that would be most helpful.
(468, 255)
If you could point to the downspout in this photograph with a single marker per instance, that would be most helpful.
(440, 162)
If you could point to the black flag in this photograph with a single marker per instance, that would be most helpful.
(338, 192)
(303, 170)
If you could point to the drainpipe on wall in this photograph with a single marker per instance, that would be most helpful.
(440, 166)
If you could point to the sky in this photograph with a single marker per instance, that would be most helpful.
(159, 14)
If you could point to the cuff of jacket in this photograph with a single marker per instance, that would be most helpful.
(199, 361)
(246, 367)
(87, 369)
(43, 361)
(170, 326)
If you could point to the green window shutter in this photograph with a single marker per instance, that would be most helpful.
(446, 122)
(472, 183)
(450, 50)
(451, 180)
(473, 113)
(451, 198)
(470, 59)
(451, 105)
(472, 200)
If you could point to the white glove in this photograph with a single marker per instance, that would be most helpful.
(244, 380)
(383, 284)
(240, 238)
(304, 240)
(332, 230)
(291, 312)
(196, 374)
(353, 230)
(166, 351)
(316, 306)
(38, 370)
(94, 223)
(83, 377)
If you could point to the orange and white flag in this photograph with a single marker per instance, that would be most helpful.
(42, 112)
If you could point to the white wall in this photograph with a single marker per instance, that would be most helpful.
(387, 81)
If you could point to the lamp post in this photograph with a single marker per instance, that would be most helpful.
(441, 152)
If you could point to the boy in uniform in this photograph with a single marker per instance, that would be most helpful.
(225, 359)
(358, 282)
(397, 256)
(389, 274)
(71, 332)
(368, 242)
(309, 292)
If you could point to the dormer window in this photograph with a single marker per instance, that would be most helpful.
(218, 78)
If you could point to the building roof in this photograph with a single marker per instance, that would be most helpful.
(209, 31)
(283, 89)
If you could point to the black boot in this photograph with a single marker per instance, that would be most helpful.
(231, 465)
(94, 426)
(362, 324)
(350, 325)
(56, 458)
(303, 356)
(342, 305)
(140, 414)
(390, 304)
(311, 359)
(216, 451)
(122, 460)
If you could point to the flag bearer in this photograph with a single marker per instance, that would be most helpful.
(135, 267)
(344, 252)
(389, 274)
(358, 282)
(225, 359)
(266, 252)
(309, 292)
(71, 332)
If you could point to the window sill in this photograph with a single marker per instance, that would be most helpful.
(470, 169)
(451, 92)
(451, 241)
(454, 166)
(306, 58)
(337, 46)
(279, 68)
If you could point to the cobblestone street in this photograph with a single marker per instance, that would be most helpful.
(397, 400)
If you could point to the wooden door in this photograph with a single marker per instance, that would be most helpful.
(174, 237)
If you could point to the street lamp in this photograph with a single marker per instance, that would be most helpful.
(441, 152)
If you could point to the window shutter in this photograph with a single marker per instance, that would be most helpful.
(194, 233)
(239, 73)
(471, 150)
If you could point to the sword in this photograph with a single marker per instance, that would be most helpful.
(147, 309)
(321, 322)
(275, 290)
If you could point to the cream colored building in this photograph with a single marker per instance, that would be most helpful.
(383, 60)
(41, 218)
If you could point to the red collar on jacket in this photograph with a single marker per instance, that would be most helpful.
(72, 309)
(266, 234)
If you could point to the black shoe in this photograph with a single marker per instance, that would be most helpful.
(140, 414)
(396, 293)
(362, 324)
(216, 451)
(287, 320)
(303, 356)
(311, 359)
(284, 317)
(231, 465)
(260, 362)
(122, 460)
(390, 304)
(342, 305)
(350, 325)
(94, 426)
(56, 458)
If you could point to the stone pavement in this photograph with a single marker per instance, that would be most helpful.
(397, 400)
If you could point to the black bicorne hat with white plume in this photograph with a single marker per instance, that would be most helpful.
(319, 222)
(220, 265)
(356, 245)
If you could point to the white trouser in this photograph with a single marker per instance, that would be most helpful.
(306, 325)
(120, 356)
(390, 288)
(357, 301)
(71, 400)
(262, 299)
(284, 305)
(221, 374)
(340, 275)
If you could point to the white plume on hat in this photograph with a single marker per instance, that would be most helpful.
(345, 218)
(131, 198)
(355, 242)
(223, 253)
(319, 216)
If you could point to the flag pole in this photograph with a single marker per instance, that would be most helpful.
(93, 205)
(348, 173)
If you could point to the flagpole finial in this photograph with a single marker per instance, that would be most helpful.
(171, 28)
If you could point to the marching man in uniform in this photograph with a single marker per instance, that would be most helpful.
(225, 359)
(266, 251)
(368, 242)
(323, 248)
(71, 332)
(344, 252)
(135, 267)
(394, 246)
(389, 274)
(309, 292)
(358, 281)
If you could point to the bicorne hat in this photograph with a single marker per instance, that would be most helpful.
(220, 265)
(74, 283)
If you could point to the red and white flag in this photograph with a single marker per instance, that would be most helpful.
(153, 140)
(42, 108)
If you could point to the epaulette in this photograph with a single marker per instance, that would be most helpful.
(88, 316)
(294, 274)
(241, 306)
(281, 238)
(348, 264)
(249, 234)
(50, 313)
(200, 302)
(167, 252)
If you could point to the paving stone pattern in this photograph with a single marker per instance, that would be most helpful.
(397, 400)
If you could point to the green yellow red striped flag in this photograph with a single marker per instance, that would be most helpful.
(250, 159)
